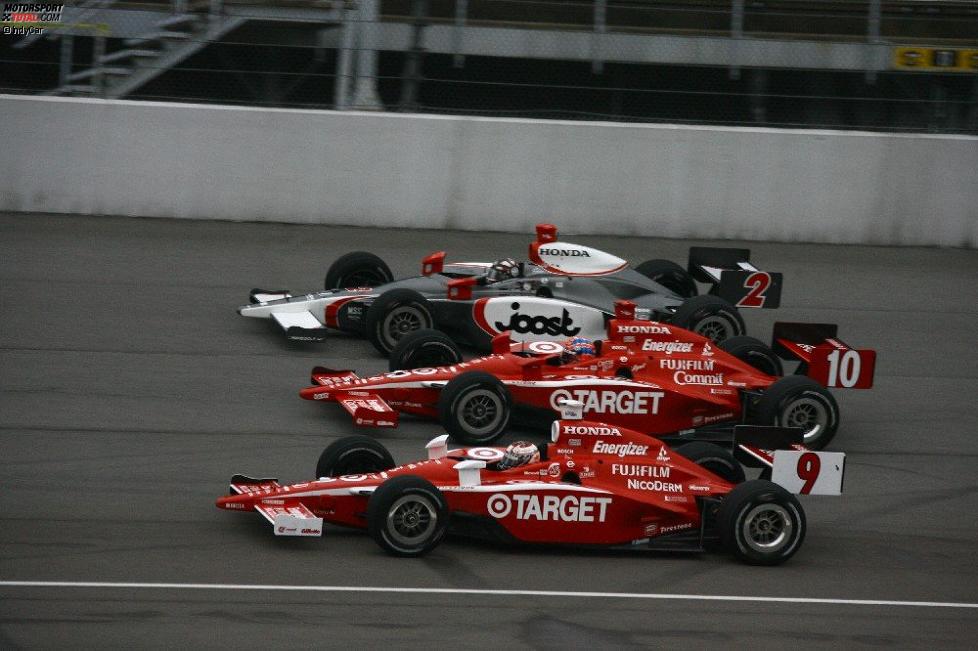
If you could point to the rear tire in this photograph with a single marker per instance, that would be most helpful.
(761, 523)
(713, 458)
(755, 353)
(357, 269)
(353, 455)
(474, 408)
(710, 316)
(407, 516)
(670, 275)
(798, 401)
(424, 349)
(394, 314)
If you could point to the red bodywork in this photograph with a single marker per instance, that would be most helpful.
(599, 485)
(648, 376)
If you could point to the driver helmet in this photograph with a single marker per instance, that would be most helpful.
(518, 453)
(578, 348)
(503, 269)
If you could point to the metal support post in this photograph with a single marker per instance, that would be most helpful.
(365, 95)
(98, 79)
(411, 79)
(736, 33)
(873, 36)
(461, 12)
(600, 27)
(67, 55)
(344, 63)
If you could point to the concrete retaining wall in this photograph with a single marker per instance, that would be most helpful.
(379, 169)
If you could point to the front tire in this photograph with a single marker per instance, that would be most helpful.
(761, 523)
(755, 353)
(357, 269)
(353, 455)
(713, 458)
(424, 349)
(710, 316)
(474, 408)
(407, 516)
(670, 275)
(394, 314)
(798, 401)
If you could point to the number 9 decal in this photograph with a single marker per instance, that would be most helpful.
(809, 465)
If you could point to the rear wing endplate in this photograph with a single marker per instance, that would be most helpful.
(733, 277)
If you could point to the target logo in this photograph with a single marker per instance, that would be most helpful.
(499, 506)
(545, 347)
(485, 454)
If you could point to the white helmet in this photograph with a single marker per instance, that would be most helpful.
(503, 269)
(518, 453)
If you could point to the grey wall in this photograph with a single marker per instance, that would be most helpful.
(187, 161)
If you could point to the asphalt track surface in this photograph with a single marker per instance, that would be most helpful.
(130, 391)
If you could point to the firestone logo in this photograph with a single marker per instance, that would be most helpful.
(570, 508)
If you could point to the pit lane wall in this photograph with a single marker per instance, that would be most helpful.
(61, 155)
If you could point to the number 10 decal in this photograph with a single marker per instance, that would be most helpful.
(843, 368)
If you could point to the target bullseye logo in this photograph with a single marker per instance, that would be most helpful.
(499, 506)
(545, 347)
(485, 454)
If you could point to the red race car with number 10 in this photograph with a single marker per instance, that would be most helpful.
(650, 377)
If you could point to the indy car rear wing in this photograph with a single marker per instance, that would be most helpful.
(733, 277)
(824, 357)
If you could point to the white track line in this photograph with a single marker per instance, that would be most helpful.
(514, 593)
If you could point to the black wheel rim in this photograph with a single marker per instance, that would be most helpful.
(411, 519)
(402, 320)
(481, 412)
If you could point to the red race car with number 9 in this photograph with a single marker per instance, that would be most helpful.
(595, 485)
(650, 377)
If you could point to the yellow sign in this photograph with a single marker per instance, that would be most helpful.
(935, 59)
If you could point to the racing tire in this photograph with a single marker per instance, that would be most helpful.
(761, 523)
(394, 314)
(798, 401)
(753, 352)
(407, 516)
(711, 317)
(713, 458)
(670, 275)
(353, 455)
(474, 408)
(424, 349)
(357, 269)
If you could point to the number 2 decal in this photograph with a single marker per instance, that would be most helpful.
(757, 283)
(808, 468)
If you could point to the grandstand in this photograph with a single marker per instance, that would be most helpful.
(867, 64)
